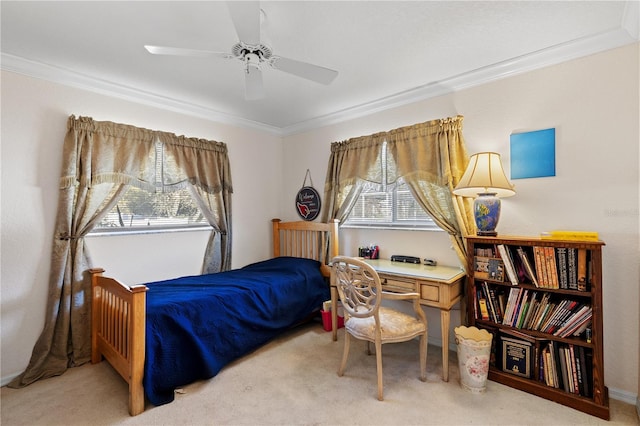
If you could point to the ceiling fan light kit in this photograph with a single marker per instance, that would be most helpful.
(246, 17)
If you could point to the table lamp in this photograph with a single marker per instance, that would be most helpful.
(485, 180)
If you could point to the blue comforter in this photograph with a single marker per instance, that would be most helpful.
(198, 324)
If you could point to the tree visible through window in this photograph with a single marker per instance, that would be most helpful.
(162, 208)
(139, 208)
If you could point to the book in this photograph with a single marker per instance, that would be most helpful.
(582, 269)
(505, 254)
(494, 302)
(572, 268)
(574, 370)
(484, 311)
(588, 358)
(488, 268)
(531, 275)
(516, 356)
(570, 235)
(579, 370)
(563, 368)
(541, 267)
(522, 295)
(532, 304)
(511, 301)
(555, 356)
(486, 293)
(561, 264)
(550, 262)
(574, 321)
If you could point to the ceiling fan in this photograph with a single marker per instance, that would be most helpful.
(253, 54)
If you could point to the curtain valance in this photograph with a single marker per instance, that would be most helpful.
(107, 152)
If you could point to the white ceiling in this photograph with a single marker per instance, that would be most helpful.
(387, 53)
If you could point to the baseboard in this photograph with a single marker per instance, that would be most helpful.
(4, 381)
(624, 396)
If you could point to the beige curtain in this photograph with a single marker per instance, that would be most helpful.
(100, 161)
(205, 166)
(352, 164)
(430, 157)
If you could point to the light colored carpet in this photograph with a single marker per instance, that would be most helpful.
(293, 381)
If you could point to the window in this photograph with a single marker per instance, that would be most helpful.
(392, 206)
(160, 210)
(140, 210)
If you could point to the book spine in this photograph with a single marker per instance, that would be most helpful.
(542, 267)
(579, 371)
(582, 269)
(495, 304)
(574, 370)
(550, 261)
(572, 268)
(508, 264)
(563, 368)
(561, 263)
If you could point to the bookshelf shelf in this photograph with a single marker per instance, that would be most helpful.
(542, 300)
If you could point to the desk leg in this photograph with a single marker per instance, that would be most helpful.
(334, 313)
(444, 325)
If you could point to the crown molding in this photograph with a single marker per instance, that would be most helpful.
(530, 62)
(627, 33)
(81, 81)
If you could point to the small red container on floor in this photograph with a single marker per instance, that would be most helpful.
(326, 320)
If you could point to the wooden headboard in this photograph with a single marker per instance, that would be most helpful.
(311, 240)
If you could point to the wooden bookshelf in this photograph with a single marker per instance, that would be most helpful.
(556, 315)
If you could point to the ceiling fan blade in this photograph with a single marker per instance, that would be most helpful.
(312, 72)
(178, 51)
(254, 89)
(246, 18)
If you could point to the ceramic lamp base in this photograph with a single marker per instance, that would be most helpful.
(486, 210)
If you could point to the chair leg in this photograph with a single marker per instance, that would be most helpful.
(345, 354)
(423, 358)
(379, 368)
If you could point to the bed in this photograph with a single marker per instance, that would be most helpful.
(163, 335)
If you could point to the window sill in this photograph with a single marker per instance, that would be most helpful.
(139, 231)
(393, 227)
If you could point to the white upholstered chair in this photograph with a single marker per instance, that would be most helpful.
(361, 294)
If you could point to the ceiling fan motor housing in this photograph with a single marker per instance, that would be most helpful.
(251, 54)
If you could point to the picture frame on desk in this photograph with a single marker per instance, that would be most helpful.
(489, 268)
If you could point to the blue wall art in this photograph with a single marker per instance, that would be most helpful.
(533, 154)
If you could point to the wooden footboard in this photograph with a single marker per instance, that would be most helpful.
(118, 332)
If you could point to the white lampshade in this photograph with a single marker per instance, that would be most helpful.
(484, 174)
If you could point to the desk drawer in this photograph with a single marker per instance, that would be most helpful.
(430, 292)
(399, 285)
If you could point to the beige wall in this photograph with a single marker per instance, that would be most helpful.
(592, 102)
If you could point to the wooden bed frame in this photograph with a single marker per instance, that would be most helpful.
(118, 311)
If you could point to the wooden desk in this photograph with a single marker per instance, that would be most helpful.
(439, 287)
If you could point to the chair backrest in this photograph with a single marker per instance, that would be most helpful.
(358, 285)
